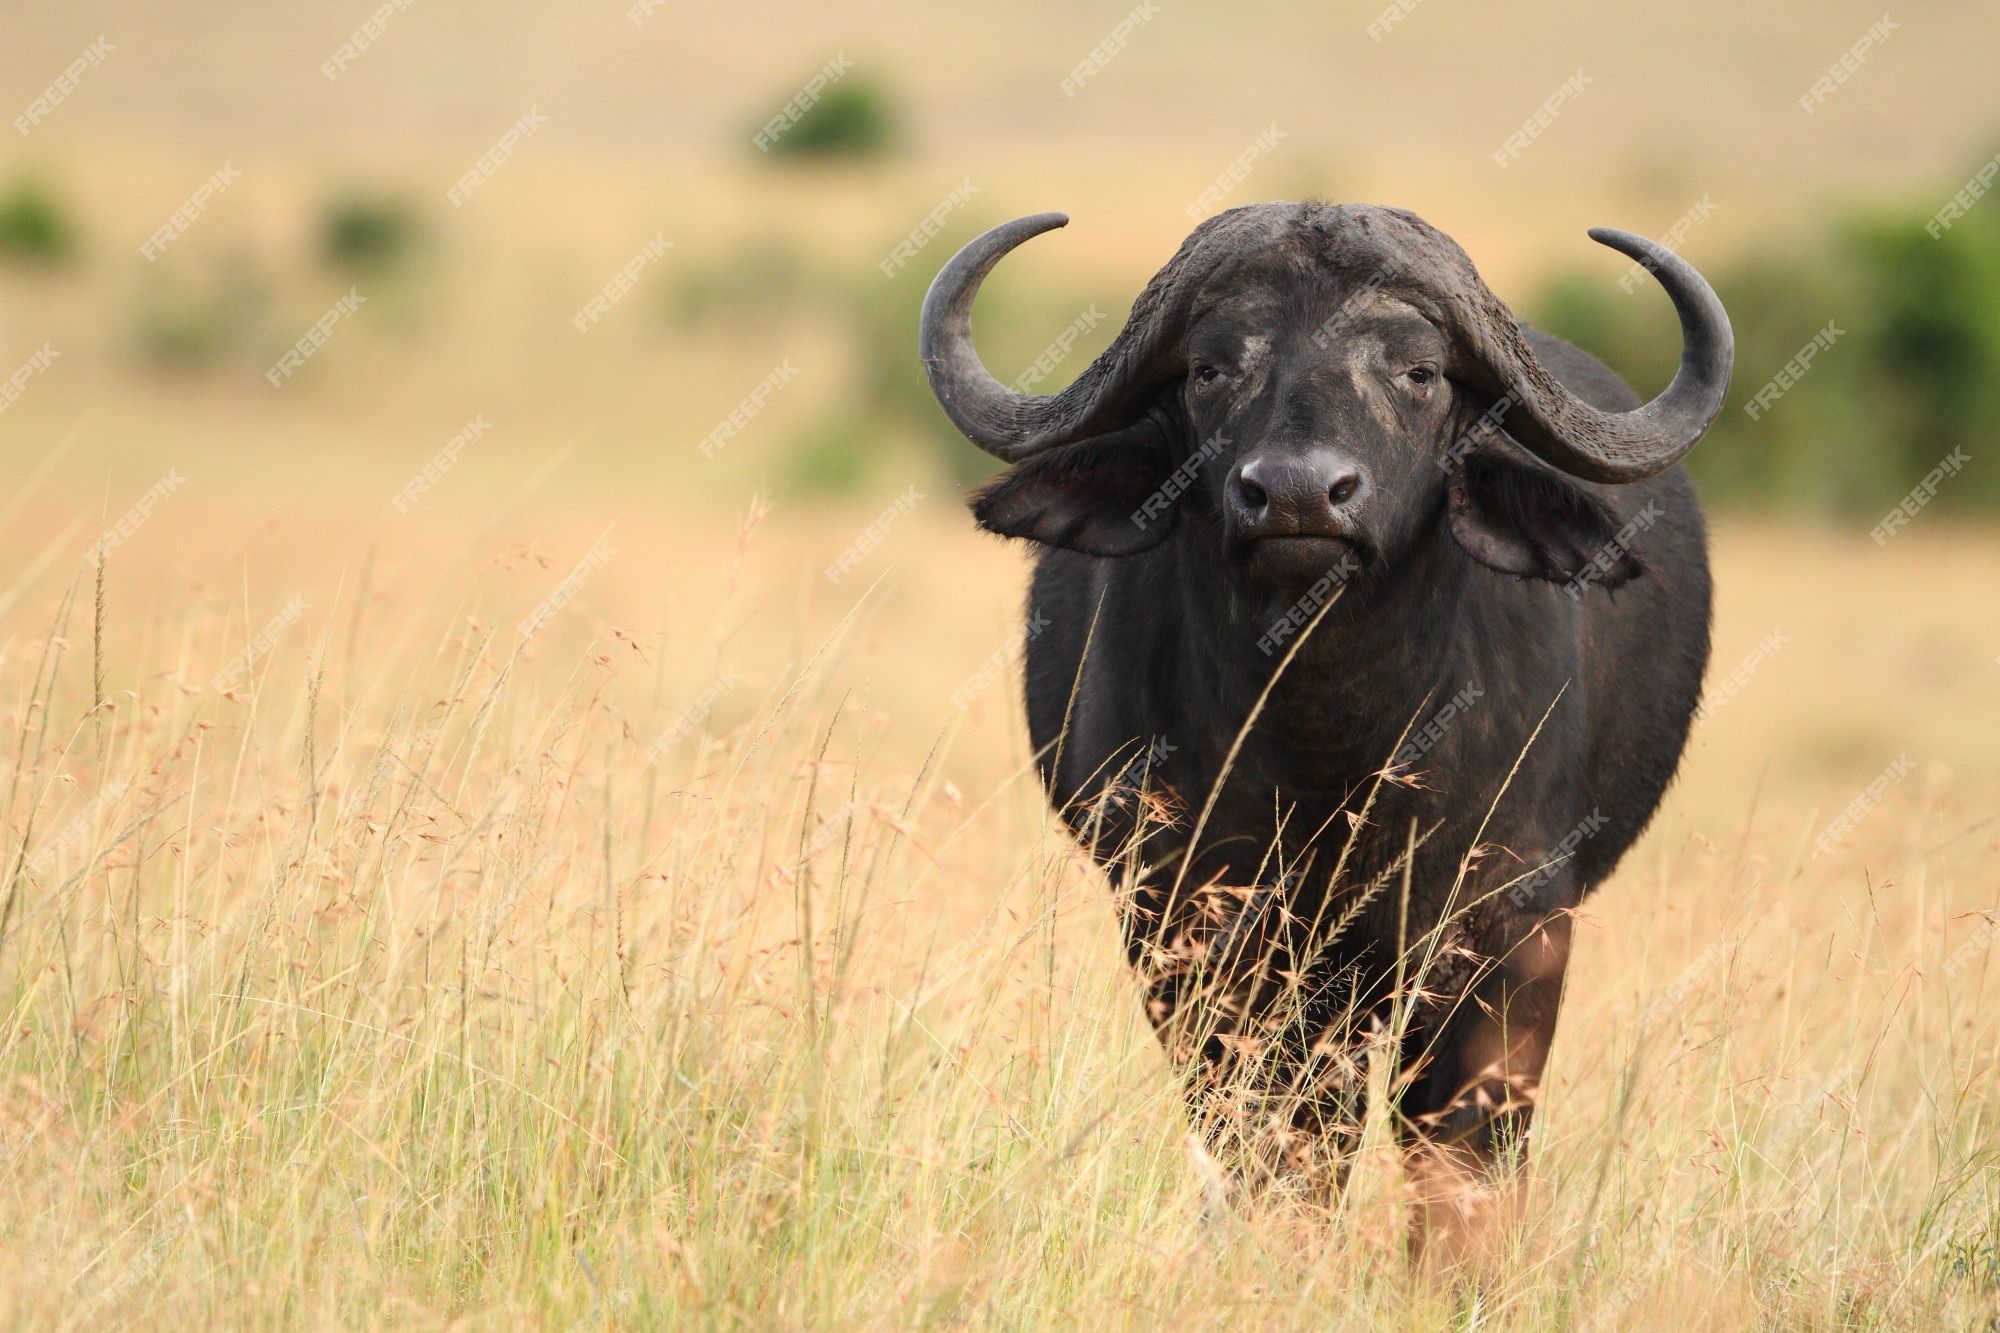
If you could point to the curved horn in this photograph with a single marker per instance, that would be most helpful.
(985, 411)
(1595, 445)
(1110, 393)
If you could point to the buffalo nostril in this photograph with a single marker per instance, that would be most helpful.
(1251, 494)
(1343, 490)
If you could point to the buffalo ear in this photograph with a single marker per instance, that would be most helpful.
(1520, 517)
(1105, 497)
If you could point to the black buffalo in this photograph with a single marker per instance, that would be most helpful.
(1375, 622)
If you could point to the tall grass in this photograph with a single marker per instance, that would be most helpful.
(421, 972)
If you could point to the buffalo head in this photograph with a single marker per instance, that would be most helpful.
(1314, 387)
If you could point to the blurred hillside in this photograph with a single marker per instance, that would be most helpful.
(334, 150)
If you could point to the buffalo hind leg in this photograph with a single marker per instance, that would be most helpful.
(1467, 1113)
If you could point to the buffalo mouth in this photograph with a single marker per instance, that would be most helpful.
(1303, 559)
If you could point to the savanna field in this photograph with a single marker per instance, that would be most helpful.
(695, 958)
(498, 829)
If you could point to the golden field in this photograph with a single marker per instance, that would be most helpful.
(554, 901)
(695, 959)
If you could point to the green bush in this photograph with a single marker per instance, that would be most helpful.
(854, 118)
(34, 226)
(1910, 373)
(363, 231)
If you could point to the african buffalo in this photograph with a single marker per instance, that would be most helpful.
(1374, 624)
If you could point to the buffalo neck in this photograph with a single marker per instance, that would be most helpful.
(1381, 656)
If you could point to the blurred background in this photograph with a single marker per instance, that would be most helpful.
(341, 301)
(358, 291)
(373, 295)
(331, 144)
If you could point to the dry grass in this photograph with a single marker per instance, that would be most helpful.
(393, 981)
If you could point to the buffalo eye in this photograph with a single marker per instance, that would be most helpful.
(1420, 375)
(1205, 376)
